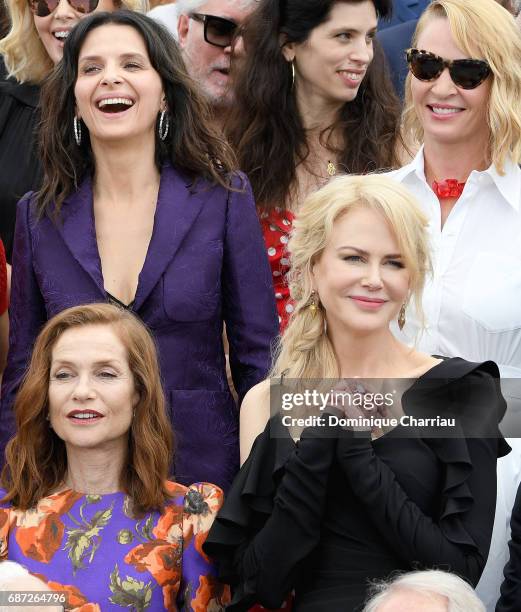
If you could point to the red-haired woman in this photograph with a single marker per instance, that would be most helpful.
(86, 501)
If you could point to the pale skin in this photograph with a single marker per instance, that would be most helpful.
(114, 62)
(458, 144)
(343, 43)
(407, 600)
(362, 340)
(90, 374)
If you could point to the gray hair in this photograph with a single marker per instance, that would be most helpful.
(460, 595)
(9, 571)
(184, 7)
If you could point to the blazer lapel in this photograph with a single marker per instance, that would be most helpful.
(177, 209)
(76, 227)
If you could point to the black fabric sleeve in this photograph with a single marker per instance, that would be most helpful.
(510, 600)
(457, 538)
(267, 564)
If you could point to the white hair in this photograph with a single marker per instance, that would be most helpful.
(13, 577)
(459, 594)
(184, 7)
(9, 570)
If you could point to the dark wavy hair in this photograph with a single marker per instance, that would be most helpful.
(192, 144)
(265, 127)
(36, 458)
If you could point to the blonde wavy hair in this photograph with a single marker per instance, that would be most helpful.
(25, 56)
(305, 350)
(484, 30)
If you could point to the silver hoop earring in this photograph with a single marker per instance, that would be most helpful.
(77, 130)
(164, 125)
(292, 74)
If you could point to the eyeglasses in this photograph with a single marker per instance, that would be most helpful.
(42, 8)
(218, 31)
(465, 73)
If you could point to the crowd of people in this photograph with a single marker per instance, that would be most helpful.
(208, 211)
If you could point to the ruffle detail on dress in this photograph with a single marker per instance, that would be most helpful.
(248, 506)
(454, 454)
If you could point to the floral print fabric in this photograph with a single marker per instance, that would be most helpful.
(93, 548)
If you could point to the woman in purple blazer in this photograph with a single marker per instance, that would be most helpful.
(142, 206)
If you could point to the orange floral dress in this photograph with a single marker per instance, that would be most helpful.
(92, 548)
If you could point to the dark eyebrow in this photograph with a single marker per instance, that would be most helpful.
(362, 252)
(124, 56)
(338, 29)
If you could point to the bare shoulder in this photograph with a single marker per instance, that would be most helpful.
(421, 363)
(255, 413)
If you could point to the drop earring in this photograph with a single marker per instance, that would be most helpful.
(164, 125)
(313, 303)
(401, 317)
(77, 130)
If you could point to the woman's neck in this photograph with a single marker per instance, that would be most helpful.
(372, 355)
(316, 113)
(95, 471)
(124, 175)
(454, 161)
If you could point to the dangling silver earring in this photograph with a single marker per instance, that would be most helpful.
(77, 130)
(164, 125)
(292, 74)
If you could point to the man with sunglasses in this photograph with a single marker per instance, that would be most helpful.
(208, 32)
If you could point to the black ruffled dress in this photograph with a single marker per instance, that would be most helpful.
(328, 515)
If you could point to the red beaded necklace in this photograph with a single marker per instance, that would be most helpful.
(449, 188)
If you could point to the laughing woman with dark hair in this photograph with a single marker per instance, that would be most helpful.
(142, 206)
(312, 100)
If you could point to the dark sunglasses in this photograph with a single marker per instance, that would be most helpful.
(218, 31)
(465, 73)
(42, 8)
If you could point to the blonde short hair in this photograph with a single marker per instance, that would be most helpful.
(484, 30)
(25, 56)
(305, 350)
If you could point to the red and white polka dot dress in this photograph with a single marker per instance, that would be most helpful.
(276, 228)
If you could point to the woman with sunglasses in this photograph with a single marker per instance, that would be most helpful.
(32, 46)
(463, 103)
(141, 205)
(312, 99)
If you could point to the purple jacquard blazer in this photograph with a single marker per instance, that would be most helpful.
(206, 263)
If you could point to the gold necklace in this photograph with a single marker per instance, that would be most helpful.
(331, 168)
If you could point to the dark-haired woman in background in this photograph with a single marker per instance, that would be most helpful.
(142, 206)
(311, 102)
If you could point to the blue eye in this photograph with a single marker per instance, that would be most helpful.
(352, 258)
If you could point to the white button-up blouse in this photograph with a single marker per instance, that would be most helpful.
(472, 304)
